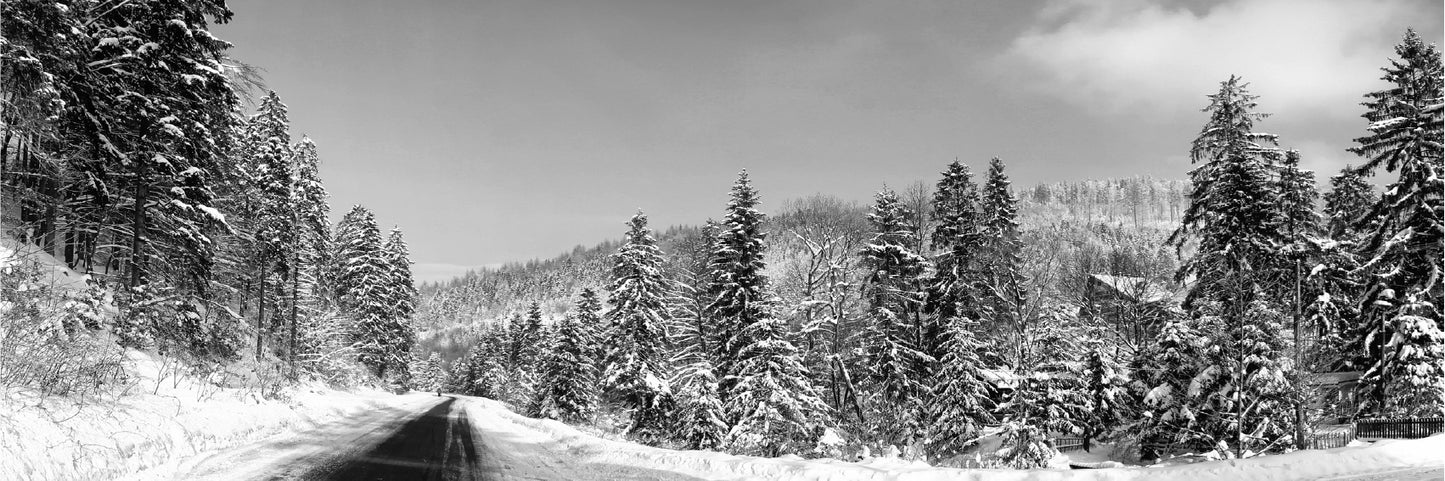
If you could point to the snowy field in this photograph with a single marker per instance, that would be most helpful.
(524, 448)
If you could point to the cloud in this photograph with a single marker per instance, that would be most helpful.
(1302, 57)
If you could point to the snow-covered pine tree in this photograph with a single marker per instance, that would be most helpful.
(1107, 389)
(1332, 285)
(364, 284)
(1050, 397)
(484, 373)
(739, 288)
(159, 100)
(117, 129)
(528, 339)
(1242, 396)
(403, 287)
(697, 419)
(1301, 223)
(774, 406)
(416, 372)
(957, 241)
(401, 294)
(1403, 253)
(1003, 282)
(1234, 209)
(588, 313)
(1298, 196)
(640, 297)
(313, 212)
(568, 382)
(1237, 216)
(313, 239)
(268, 178)
(354, 240)
(1349, 196)
(893, 291)
(397, 335)
(435, 372)
(1164, 373)
(767, 397)
(1024, 445)
(961, 402)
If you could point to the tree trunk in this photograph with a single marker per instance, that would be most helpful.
(295, 296)
(261, 312)
(138, 221)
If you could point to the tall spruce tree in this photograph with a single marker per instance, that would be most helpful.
(1235, 215)
(268, 178)
(1401, 324)
(365, 285)
(1001, 263)
(769, 402)
(893, 291)
(313, 239)
(958, 243)
(1332, 285)
(738, 285)
(639, 295)
(402, 289)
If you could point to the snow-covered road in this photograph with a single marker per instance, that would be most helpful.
(420, 437)
(423, 436)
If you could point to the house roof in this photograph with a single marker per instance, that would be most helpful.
(1138, 289)
(1333, 378)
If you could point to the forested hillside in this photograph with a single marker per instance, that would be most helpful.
(145, 159)
(1162, 316)
(1112, 226)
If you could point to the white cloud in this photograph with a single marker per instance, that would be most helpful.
(1302, 57)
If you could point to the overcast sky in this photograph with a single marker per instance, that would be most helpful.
(496, 131)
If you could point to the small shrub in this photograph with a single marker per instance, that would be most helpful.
(46, 341)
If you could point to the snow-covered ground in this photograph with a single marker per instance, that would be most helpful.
(539, 449)
(159, 423)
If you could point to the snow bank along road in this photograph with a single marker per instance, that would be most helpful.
(425, 437)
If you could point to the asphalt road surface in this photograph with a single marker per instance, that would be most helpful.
(419, 438)
(439, 445)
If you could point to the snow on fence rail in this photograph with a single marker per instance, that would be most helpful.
(1406, 428)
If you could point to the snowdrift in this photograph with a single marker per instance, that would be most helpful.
(162, 420)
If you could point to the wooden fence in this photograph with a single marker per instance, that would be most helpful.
(1406, 428)
(1069, 444)
(1330, 438)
